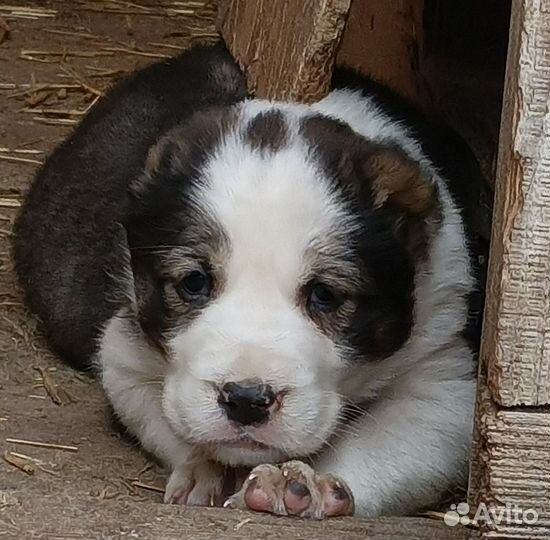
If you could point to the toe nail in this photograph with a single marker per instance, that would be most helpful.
(285, 474)
(298, 489)
(227, 503)
(252, 477)
(339, 493)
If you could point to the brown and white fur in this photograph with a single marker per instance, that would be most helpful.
(336, 272)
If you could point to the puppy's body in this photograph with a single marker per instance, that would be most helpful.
(332, 267)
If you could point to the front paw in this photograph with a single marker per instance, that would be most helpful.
(195, 485)
(293, 489)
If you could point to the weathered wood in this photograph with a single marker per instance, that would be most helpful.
(287, 47)
(516, 341)
(113, 519)
(384, 40)
(511, 470)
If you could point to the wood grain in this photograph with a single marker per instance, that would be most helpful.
(511, 468)
(286, 48)
(384, 40)
(516, 341)
(113, 519)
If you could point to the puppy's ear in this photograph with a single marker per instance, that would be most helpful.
(148, 203)
(170, 147)
(379, 179)
(146, 198)
(155, 200)
(398, 181)
(381, 175)
(169, 157)
(179, 154)
(402, 189)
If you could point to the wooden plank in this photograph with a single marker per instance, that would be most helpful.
(286, 48)
(510, 470)
(64, 518)
(516, 342)
(384, 40)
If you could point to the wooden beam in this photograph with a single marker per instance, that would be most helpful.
(287, 47)
(65, 518)
(385, 40)
(516, 340)
(510, 470)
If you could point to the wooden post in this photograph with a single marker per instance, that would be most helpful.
(286, 47)
(517, 317)
(511, 454)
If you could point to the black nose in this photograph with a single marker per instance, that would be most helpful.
(246, 402)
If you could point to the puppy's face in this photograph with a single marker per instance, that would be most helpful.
(271, 254)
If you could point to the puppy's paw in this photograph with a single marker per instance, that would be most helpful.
(198, 485)
(293, 489)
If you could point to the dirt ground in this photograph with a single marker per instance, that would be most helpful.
(56, 58)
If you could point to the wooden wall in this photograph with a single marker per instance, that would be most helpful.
(511, 459)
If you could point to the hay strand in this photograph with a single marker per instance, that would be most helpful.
(18, 159)
(23, 12)
(40, 444)
(57, 393)
(9, 203)
(135, 52)
(148, 487)
(22, 463)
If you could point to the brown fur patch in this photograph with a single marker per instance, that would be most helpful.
(365, 167)
(156, 153)
(334, 324)
(330, 261)
(399, 181)
(200, 243)
(267, 131)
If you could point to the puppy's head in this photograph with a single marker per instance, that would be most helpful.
(272, 252)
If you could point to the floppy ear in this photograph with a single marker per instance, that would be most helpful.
(399, 182)
(148, 200)
(172, 155)
(181, 151)
(379, 178)
(401, 187)
(155, 197)
(381, 175)
(171, 146)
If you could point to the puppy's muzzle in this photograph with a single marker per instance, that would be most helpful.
(247, 402)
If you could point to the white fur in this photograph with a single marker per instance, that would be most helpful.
(272, 210)
(414, 440)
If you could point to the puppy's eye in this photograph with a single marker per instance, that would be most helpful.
(322, 298)
(195, 287)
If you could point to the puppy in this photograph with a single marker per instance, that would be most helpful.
(259, 283)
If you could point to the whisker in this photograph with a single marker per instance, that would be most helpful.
(159, 247)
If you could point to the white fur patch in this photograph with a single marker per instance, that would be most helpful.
(272, 208)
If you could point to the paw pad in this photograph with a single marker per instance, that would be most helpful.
(293, 489)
